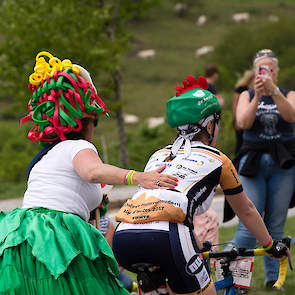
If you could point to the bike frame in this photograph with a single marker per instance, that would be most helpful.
(228, 256)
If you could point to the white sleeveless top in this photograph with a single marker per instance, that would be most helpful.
(54, 184)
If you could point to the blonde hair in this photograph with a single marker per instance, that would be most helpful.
(246, 79)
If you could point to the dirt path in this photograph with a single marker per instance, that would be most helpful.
(120, 193)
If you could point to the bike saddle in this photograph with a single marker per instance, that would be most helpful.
(149, 277)
(144, 267)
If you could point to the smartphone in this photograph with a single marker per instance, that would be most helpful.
(264, 70)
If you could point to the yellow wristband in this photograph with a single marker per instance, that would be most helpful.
(131, 177)
(128, 177)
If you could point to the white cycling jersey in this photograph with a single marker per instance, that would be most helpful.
(198, 176)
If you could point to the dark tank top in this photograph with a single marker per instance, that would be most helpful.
(269, 124)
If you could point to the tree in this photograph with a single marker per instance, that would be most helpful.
(122, 12)
(92, 33)
(69, 29)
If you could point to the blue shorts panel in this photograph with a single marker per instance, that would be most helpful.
(180, 260)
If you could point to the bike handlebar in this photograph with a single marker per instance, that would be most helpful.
(283, 268)
(234, 253)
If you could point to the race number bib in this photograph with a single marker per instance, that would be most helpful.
(241, 269)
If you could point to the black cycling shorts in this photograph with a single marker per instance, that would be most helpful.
(175, 251)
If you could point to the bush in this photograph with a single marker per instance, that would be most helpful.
(145, 141)
(235, 53)
(226, 139)
(16, 152)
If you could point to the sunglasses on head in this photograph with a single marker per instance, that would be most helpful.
(265, 53)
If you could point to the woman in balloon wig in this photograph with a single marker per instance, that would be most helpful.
(47, 246)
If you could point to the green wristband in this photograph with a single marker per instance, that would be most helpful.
(128, 177)
(269, 246)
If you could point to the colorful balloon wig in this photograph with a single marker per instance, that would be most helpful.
(63, 94)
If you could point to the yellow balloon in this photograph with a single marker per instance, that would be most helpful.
(55, 63)
(35, 79)
(67, 64)
(41, 68)
(45, 53)
(45, 68)
(76, 70)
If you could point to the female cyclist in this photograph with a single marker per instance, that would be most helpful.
(156, 225)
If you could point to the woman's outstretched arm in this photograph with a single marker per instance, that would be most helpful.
(89, 167)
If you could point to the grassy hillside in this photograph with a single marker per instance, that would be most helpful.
(148, 84)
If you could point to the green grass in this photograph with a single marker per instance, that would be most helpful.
(257, 282)
(148, 84)
(10, 190)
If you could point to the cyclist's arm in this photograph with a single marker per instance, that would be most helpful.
(249, 216)
(242, 206)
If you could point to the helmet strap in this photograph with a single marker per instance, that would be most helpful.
(187, 132)
(216, 118)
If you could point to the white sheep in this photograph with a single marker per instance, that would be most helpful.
(273, 18)
(201, 20)
(148, 53)
(242, 17)
(130, 119)
(180, 9)
(155, 121)
(203, 50)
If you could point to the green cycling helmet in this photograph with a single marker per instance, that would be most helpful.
(191, 103)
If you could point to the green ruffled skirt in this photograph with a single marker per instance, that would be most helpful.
(50, 252)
